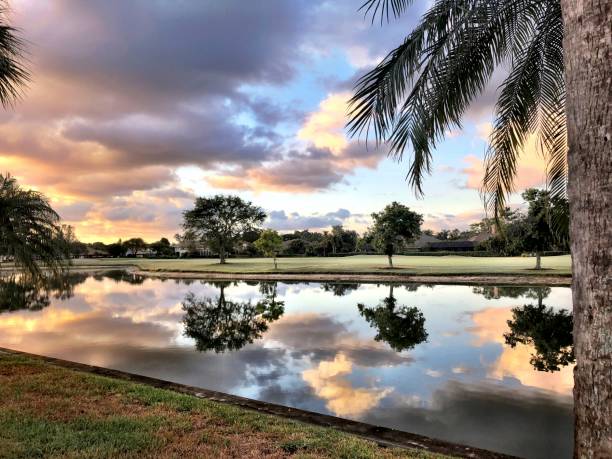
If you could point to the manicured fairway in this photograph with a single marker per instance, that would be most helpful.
(374, 264)
(48, 411)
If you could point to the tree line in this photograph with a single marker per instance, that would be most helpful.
(227, 225)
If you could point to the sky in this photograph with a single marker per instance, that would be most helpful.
(136, 108)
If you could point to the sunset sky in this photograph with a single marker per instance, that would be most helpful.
(137, 107)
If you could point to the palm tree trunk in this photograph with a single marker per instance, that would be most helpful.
(587, 44)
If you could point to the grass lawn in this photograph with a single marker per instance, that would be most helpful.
(48, 411)
(371, 264)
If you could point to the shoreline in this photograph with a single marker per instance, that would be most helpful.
(383, 436)
(446, 279)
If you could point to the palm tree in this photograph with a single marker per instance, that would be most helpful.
(554, 49)
(13, 73)
(30, 232)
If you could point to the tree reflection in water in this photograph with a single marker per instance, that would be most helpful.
(23, 293)
(222, 325)
(547, 330)
(401, 327)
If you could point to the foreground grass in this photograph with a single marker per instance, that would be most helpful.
(360, 264)
(48, 411)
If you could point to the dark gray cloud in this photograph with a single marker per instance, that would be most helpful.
(526, 424)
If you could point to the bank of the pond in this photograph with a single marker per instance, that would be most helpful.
(55, 408)
(365, 268)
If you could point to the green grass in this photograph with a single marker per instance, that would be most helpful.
(48, 411)
(360, 264)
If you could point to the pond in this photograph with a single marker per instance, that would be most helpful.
(485, 366)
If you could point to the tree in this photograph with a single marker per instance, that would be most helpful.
(395, 224)
(221, 221)
(162, 247)
(270, 244)
(401, 327)
(559, 54)
(30, 231)
(342, 240)
(539, 235)
(116, 249)
(134, 244)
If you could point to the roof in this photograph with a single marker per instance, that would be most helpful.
(461, 244)
(481, 237)
(423, 241)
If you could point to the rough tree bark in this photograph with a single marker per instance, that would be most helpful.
(587, 42)
(538, 260)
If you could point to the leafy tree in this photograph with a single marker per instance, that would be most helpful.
(134, 245)
(401, 327)
(30, 232)
(221, 325)
(395, 224)
(116, 249)
(342, 240)
(221, 221)
(162, 247)
(422, 89)
(541, 234)
(270, 244)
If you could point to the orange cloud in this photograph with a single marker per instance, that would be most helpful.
(325, 127)
(490, 326)
(328, 382)
(531, 166)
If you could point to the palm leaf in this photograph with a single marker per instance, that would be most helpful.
(423, 87)
(13, 72)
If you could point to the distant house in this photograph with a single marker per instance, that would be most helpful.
(454, 246)
(423, 242)
(481, 237)
(95, 253)
(197, 248)
(141, 253)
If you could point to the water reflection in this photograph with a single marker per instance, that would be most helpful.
(319, 351)
(402, 327)
(222, 325)
(547, 330)
(19, 292)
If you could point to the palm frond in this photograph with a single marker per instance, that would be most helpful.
(531, 102)
(30, 233)
(423, 87)
(384, 8)
(13, 72)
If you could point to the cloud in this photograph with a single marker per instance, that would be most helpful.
(325, 127)
(489, 326)
(280, 221)
(461, 220)
(329, 382)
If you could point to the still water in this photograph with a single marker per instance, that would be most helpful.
(436, 360)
